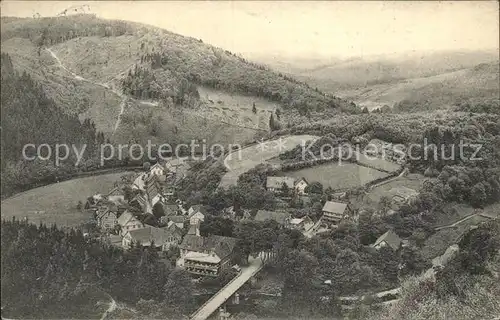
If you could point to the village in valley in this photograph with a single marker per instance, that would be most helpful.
(146, 213)
(142, 210)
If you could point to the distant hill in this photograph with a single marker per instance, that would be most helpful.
(433, 80)
(479, 83)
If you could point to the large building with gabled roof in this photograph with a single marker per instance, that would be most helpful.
(206, 255)
(334, 212)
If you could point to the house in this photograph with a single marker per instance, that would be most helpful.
(158, 170)
(389, 239)
(300, 186)
(93, 202)
(106, 219)
(139, 201)
(278, 216)
(158, 198)
(194, 230)
(334, 212)
(401, 195)
(170, 209)
(128, 222)
(275, 184)
(197, 214)
(206, 255)
(161, 238)
(179, 221)
(139, 181)
(301, 224)
(152, 186)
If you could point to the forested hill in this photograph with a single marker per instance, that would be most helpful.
(102, 50)
(29, 116)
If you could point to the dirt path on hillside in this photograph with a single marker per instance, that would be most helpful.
(111, 88)
(111, 308)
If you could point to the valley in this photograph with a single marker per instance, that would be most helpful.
(328, 200)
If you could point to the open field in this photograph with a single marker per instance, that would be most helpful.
(412, 181)
(56, 203)
(346, 175)
(239, 162)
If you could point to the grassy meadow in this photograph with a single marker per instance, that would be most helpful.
(56, 203)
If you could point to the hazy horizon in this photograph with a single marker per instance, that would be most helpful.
(305, 29)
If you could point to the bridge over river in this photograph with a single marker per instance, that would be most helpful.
(246, 273)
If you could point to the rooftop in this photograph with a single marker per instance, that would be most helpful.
(391, 238)
(334, 207)
(202, 257)
(199, 208)
(278, 216)
(170, 209)
(296, 221)
(222, 246)
(125, 218)
(150, 234)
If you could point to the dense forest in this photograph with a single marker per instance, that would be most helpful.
(47, 273)
(30, 117)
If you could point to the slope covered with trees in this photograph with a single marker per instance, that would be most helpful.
(30, 117)
(48, 273)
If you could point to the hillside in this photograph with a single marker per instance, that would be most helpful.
(435, 92)
(350, 73)
(94, 67)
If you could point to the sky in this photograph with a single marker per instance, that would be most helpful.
(305, 28)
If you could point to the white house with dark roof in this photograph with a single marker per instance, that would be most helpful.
(389, 239)
(128, 222)
(300, 186)
(275, 184)
(158, 170)
(178, 220)
(334, 212)
(106, 218)
(196, 214)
